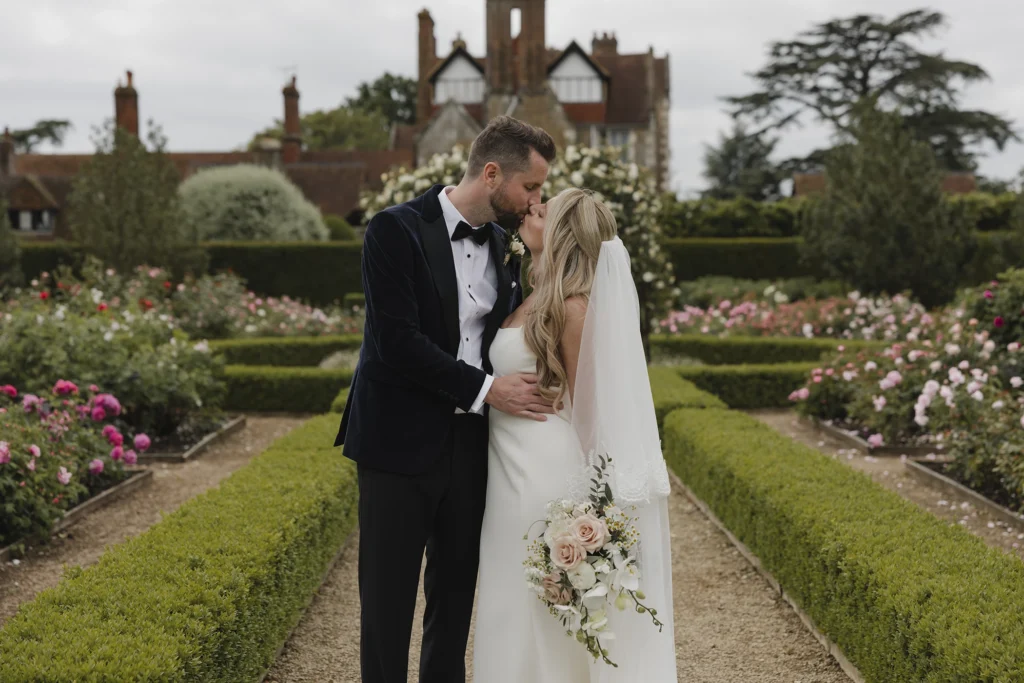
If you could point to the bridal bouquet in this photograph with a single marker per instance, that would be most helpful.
(586, 561)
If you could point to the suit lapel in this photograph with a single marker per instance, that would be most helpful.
(438, 248)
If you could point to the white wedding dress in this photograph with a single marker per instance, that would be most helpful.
(516, 639)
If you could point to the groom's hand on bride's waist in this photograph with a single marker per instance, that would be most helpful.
(519, 395)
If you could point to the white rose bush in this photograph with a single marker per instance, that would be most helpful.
(585, 563)
(629, 191)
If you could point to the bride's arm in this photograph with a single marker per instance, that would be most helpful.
(572, 337)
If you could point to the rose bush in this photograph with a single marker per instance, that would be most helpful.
(955, 385)
(56, 449)
(851, 317)
(169, 386)
(212, 306)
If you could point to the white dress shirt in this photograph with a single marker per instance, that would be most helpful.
(477, 280)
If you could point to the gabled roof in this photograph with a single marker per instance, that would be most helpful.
(574, 47)
(455, 54)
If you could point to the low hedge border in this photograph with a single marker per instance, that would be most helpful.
(747, 387)
(760, 350)
(261, 388)
(906, 596)
(211, 592)
(284, 351)
(670, 391)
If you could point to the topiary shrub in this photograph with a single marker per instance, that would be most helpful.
(883, 223)
(339, 229)
(246, 202)
(10, 252)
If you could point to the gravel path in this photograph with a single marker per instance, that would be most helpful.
(731, 627)
(172, 485)
(890, 472)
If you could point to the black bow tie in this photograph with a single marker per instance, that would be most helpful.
(480, 235)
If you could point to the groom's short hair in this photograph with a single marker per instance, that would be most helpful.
(507, 142)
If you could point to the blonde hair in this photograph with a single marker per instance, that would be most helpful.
(576, 225)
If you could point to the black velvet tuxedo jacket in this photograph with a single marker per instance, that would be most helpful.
(408, 382)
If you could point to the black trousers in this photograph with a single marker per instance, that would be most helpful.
(399, 515)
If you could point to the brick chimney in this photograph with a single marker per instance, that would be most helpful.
(291, 143)
(521, 62)
(533, 53)
(427, 60)
(126, 107)
(605, 45)
(6, 154)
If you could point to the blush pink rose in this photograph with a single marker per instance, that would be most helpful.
(590, 532)
(96, 466)
(5, 453)
(116, 453)
(555, 593)
(567, 553)
(130, 457)
(142, 442)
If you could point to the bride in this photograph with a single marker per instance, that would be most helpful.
(579, 331)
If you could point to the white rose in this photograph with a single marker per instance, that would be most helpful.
(583, 577)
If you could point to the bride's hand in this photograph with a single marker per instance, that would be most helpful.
(519, 395)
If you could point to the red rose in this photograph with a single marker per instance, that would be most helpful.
(167, 284)
(44, 295)
(998, 322)
(101, 308)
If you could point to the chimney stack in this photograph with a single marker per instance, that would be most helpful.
(427, 59)
(126, 107)
(292, 141)
(6, 154)
(605, 45)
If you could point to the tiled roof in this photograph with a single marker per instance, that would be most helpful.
(334, 188)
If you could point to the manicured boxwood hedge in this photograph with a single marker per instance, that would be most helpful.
(906, 596)
(284, 351)
(207, 594)
(761, 350)
(262, 388)
(670, 391)
(325, 272)
(338, 405)
(749, 386)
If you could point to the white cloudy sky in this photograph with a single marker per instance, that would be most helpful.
(210, 71)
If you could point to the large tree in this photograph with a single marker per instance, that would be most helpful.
(26, 140)
(390, 95)
(883, 223)
(740, 166)
(826, 70)
(340, 128)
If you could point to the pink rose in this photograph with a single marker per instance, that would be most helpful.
(130, 457)
(142, 442)
(115, 438)
(988, 294)
(9, 390)
(64, 387)
(29, 401)
(93, 388)
(108, 430)
(5, 453)
(34, 450)
(999, 322)
(96, 466)
(555, 593)
(590, 532)
(116, 453)
(567, 553)
(98, 414)
(108, 403)
(876, 441)
(32, 465)
(64, 476)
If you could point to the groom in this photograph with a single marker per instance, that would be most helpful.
(438, 285)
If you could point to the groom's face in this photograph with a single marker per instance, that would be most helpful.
(517, 192)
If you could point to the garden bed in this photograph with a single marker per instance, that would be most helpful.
(138, 478)
(854, 439)
(185, 452)
(933, 473)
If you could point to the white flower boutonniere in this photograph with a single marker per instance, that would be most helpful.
(514, 245)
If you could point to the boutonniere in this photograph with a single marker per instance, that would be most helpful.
(513, 245)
